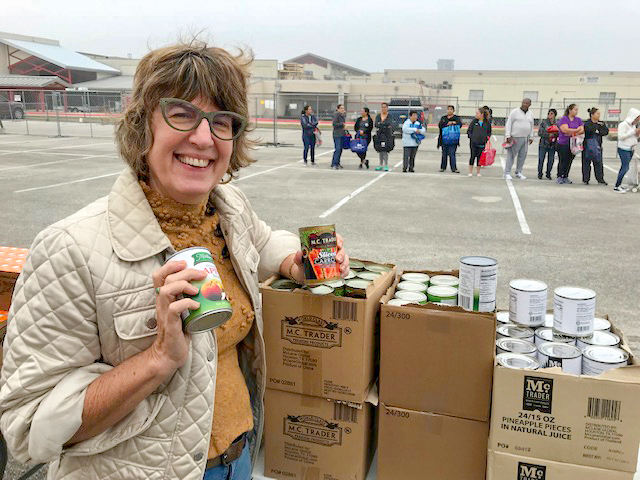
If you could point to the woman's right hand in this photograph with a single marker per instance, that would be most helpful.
(170, 350)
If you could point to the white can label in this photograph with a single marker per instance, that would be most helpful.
(573, 317)
(568, 365)
(527, 308)
(477, 289)
(589, 367)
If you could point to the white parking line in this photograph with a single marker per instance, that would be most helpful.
(41, 140)
(57, 161)
(89, 145)
(276, 168)
(524, 226)
(353, 194)
(67, 183)
(609, 168)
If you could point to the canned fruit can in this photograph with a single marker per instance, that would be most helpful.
(368, 276)
(503, 316)
(445, 280)
(416, 277)
(412, 286)
(284, 284)
(338, 287)
(516, 345)
(546, 334)
(442, 294)
(396, 302)
(601, 324)
(321, 290)
(356, 288)
(517, 361)
(478, 283)
(597, 360)
(215, 308)
(598, 339)
(377, 268)
(356, 264)
(415, 297)
(527, 302)
(574, 311)
(319, 247)
(555, 354)
(350, 275)
(512, 330)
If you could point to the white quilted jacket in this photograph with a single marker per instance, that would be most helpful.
(82, 305)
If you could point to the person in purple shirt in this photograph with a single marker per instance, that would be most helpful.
(570, 125)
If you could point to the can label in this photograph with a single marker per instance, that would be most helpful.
(211, 294)
(568, 365)
(591, 367)
(319, 249)
(527, 308)
(477, 290)
(573, 317)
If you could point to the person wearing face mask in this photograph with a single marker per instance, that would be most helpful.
(594, 131)
(99, 378)
(628, 133)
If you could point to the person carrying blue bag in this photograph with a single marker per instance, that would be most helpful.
(412, 134)
(449, 138)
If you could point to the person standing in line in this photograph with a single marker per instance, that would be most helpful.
(519, 132)
(384, 124)
(594, 131)
(570, 125)
(547, 146)
(309, 123)
(449, 150)
(411, 129)
(628, 133)
(479, 133)
(364, 127)
(339, 119)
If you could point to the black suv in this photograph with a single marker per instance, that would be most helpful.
(13, 110)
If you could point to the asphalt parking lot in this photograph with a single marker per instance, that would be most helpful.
(561, 234)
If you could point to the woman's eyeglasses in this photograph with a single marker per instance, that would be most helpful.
(184, 116)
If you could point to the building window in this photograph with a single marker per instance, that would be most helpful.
(533, 96)
(607, 97)
(476, 95)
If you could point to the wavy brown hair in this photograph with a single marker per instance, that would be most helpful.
(187, 71)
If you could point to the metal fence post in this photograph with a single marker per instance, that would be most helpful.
(24, 102)
(89, 111)
(275, 119)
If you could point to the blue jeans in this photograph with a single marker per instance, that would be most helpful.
(550, 153)
(239, 469)
(449, 151)
(309, 144)
(625, 158)
(337, 153)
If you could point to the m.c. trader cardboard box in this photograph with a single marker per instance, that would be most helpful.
(548, 414)
(311, 438)
(437, 358)
(503, 466)
(322, 345)
(418, 445)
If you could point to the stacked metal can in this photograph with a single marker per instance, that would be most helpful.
(419, 288)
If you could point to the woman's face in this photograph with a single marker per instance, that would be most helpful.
(186, 166)
(478, 114)
(363, 112)
(384, 108)
(574, 112)
(596, 116)
(309, 111)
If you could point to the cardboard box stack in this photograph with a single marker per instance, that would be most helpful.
(321, 365)
(436, 368)
(550, 425)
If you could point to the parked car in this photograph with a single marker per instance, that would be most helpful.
(13, 110)
(400, 108)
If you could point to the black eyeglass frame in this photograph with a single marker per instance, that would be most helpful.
(210, 116)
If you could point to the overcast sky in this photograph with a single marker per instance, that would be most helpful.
(371, 35)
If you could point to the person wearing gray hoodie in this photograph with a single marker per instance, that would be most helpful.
(628, 133)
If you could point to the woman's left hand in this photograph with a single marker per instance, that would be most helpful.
(342, 259)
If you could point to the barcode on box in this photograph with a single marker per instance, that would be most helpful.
(345, 310)
(465, 302)
(536, 318)
(345, 413)
(602, 409)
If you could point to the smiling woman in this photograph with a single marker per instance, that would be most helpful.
(99, 377)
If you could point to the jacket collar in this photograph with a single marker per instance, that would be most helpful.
(133, 228)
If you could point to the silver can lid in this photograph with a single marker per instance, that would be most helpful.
(517, 361)
(548, 335)
(396, 302)
(415, 277)
(412, 286)
(514, 331)
(321, 290)
(358, 283)
(415, 297)
(559, 350)
(356, 264)
(479, 261)
(503, 316)
(606, 354)
(601, 324)
(575, 293)
(442, 291)
(516, 345)
(526, 285)
(368, 276)
(447, 280)
(602, 339)
(377, 268)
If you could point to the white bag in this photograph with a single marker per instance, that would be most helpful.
(576, 144)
